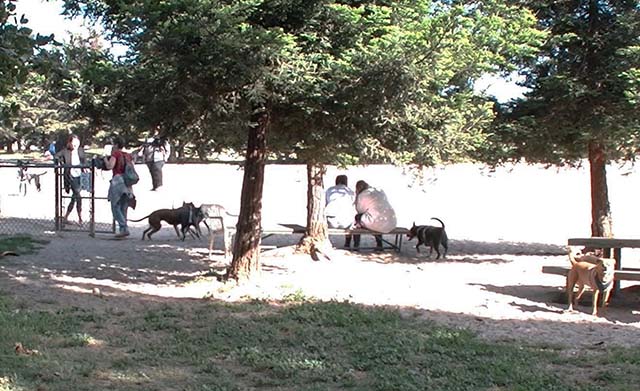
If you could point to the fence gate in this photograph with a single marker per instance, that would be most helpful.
(33, 200)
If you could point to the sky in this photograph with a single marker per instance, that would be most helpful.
(504, 89)
(45, 18)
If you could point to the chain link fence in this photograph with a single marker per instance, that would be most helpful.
(33, 200)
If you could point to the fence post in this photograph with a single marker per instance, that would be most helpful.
(56, 172)
(92, 218)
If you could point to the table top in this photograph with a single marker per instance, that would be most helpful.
(605, 242)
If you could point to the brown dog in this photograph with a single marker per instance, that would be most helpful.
(183, 216)
(592, 271)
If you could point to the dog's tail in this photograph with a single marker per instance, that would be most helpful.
(435, 218)
(5, 253)
(135, 221)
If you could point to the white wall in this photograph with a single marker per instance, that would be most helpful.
(521, 203)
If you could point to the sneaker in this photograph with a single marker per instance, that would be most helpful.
(122, 234)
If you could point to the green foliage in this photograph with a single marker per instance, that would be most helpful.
(16, 54)
(394, 81)
(584, 87)
(69, 90)
(16, 47)
(345, 81)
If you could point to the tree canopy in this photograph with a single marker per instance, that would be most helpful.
(396, 77)
(583, 87)
(16, 58)
(584, 90)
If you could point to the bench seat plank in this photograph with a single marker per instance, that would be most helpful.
(300, 229)
(632, 275)
(288, 229)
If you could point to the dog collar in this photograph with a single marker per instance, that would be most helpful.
(601, 285)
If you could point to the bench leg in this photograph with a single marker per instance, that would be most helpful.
(617, 255)
(397, 242)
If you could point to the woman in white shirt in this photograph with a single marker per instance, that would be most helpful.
(72, 155)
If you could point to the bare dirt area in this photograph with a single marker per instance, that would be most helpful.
(504, 228)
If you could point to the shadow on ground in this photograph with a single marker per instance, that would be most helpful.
(618, 311)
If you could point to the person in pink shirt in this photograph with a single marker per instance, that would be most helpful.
(374, 212)
(119, 192)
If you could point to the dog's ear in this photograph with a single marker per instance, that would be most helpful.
(414, 224)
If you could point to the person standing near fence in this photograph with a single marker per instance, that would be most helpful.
(72, 155)
(119, 193)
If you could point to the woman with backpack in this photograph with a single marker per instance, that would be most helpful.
(121, 185)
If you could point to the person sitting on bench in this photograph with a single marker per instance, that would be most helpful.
(374, 212)
(339, 208)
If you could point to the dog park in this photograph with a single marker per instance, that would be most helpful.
(370, 90)
(504, 226)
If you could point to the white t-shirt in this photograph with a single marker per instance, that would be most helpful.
(75, 161)
(339, 208)
(161, 154)
(377, 213)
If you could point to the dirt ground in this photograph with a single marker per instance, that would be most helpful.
(504, 226)
(495, 289)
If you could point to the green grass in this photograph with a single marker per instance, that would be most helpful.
(22, 244)
(298, 345)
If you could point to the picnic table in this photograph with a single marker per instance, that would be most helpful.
(288, 229)
(609, 246)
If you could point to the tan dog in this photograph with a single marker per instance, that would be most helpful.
(595, 272)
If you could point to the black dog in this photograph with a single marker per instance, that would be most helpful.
(431, 236)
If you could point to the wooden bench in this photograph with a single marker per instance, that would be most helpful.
(626, 274)
(608, 245)
(288, 229)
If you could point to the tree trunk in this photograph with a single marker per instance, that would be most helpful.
(246, 247)
(601, 221)
(315, 240)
